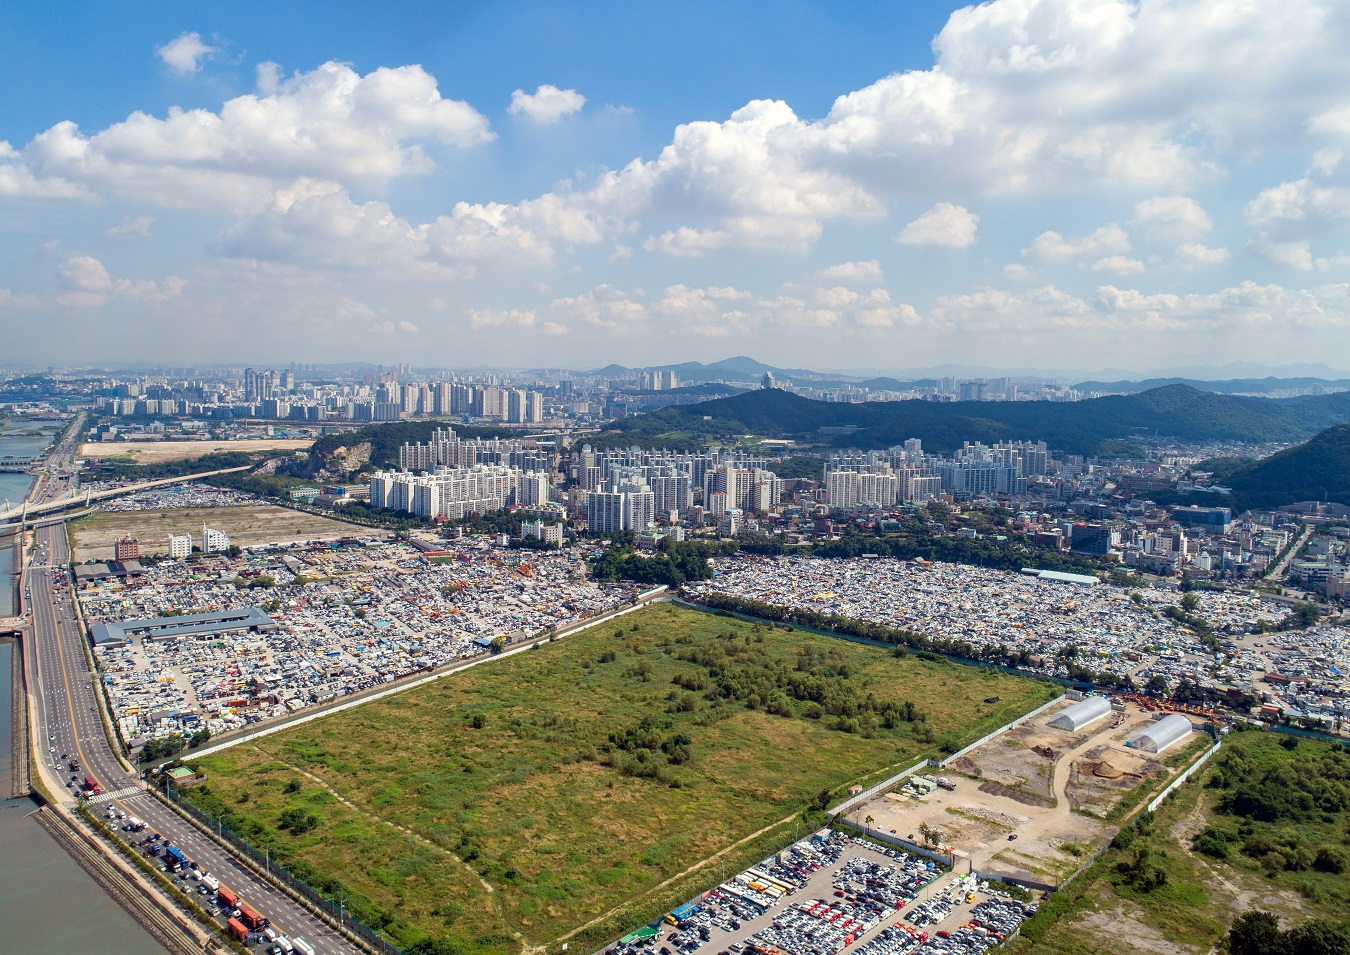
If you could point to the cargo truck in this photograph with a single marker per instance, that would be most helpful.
(91, 785)
(237, 929)
(250, 917)
(301, 946)
(136, 824)
(174, 856)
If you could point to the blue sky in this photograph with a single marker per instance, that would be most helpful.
(1072, 184)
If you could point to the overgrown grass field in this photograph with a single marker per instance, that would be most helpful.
(577, 779)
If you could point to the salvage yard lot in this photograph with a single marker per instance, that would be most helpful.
(247, 524)
(578, 778)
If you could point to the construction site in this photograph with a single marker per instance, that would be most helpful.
(1031, 804)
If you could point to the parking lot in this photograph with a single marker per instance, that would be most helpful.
(348, 615)
(833, 893)
(1121, 630)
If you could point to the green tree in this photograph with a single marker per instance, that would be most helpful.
(1318, 937)
(1255, 933)
(1330, 859)
(1156, 686)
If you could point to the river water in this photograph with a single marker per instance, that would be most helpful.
(17, 438)
(48, 905)
(21, 439)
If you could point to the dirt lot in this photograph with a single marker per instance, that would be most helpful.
(1026, 783)
(155, 452)
(249, 524)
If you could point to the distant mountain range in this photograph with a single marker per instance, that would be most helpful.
(751, 371)
(1092, 427)
(739, 368)
(1233, 386)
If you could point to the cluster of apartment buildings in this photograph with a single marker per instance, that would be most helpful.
(907, 475)
(276, 394)
(633, 489)
(458, 492)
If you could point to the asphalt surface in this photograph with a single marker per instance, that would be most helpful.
(70, 723)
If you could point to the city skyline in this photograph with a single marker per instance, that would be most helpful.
(1075, 185)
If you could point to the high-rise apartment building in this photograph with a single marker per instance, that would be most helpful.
(180, 547)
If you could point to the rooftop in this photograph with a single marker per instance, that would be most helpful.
(167, 628)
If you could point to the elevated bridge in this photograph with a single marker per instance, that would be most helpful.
(81, 500)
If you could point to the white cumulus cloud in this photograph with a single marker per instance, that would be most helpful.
(1194, 255)
(610, 308)
(868, 272)
(1287, 218)
(946, 225)
(316, 222)
(545, 105)
(1171, 219)
(743, 233)
(86, 283)
(1119, 265)
(1053, 247)
(185, 53)
(330, 123)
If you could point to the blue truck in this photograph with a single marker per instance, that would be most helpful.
(682, 913)
(174, 856)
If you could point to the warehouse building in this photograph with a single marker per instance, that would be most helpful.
(187, 625)
(1082, 714)
(1168, 731)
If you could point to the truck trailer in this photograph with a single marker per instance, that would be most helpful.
(250, 917)
(237, 929)
(227, 898)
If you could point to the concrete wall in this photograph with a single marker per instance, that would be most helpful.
(1002, 729)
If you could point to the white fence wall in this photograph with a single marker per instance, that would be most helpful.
(1002, 729)
(879, 788)
(1157, 800)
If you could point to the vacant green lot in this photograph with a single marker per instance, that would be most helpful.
(1267, 826)
(578, 778)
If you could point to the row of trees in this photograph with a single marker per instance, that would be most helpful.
(1000, 655)
(1258, 933)
(162, 747)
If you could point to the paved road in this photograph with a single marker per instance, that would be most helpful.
(70, 724)
(1277, 572)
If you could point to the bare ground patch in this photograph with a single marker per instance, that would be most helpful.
(157, 452)
(246, 525)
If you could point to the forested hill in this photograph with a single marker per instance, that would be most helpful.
(1316, 471)
(1095, 426)
(386, 439)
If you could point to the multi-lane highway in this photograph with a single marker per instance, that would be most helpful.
(71, 727)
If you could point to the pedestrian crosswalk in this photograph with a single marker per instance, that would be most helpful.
(116, 794)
